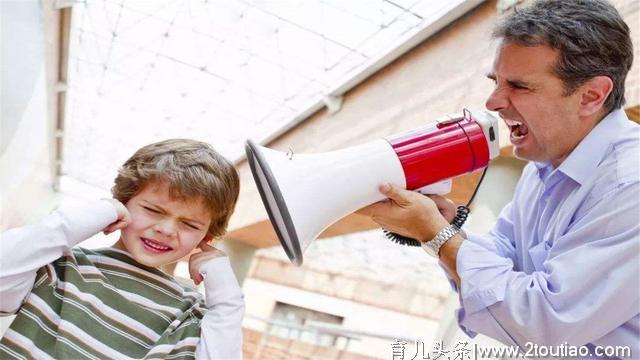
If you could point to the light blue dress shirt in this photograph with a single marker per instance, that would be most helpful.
(562, 263)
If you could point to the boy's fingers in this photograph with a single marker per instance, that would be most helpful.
(206, 247)
(193, 269)
(118, 225)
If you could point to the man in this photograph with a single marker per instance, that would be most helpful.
(561, 265)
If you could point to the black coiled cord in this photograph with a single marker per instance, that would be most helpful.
(462, 212)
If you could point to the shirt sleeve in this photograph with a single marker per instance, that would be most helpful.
(589, 271)
(25, 250)
(221, 327)
(499, 239)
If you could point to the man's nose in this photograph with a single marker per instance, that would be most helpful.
(498, 100)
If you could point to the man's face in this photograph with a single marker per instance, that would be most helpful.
(543, 121)
(162, 229)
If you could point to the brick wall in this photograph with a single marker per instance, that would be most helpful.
(265, 347)
(422, 302)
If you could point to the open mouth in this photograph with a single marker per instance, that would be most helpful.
(518, 130)
(154, 246)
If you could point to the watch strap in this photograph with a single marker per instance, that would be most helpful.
(432, 247)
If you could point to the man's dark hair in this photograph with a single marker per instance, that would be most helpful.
(590, 35)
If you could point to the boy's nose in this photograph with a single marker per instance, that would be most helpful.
(166, 228)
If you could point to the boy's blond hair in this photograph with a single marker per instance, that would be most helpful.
(193, 171)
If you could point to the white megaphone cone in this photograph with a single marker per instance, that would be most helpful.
(305, 193)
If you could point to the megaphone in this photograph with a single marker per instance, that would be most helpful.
(306, 193)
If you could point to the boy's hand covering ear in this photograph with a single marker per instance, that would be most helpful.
(198, 259)
(122, 220)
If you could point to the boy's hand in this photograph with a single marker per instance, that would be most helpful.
(122, 220)
(198, 259)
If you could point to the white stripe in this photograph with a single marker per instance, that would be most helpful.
(137, 297)
(89, 341)
(6, 349)
(144, 282)
(152, 306)
(101, 321)
(40, 323)
(39, 354)
(187, 323)
(170, 283)
(183, 353)
(162, 350)
(195, 295)
(67, 326)
(124, 293)
(115, 262)
(89, 270)
(42, 279)
(111, 313)
(44, 308)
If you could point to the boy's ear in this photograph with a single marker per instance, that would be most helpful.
(207, 238)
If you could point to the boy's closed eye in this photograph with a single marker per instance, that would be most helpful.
(151, 210)
(191, 225)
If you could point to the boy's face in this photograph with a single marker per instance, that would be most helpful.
(163, 229)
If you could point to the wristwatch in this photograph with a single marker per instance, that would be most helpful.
(432, 247)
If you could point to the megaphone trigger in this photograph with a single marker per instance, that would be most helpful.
(440, 188)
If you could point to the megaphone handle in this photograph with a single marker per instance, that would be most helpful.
(462, 212)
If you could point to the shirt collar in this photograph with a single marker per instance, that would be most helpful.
(583, 160)
(544, 168)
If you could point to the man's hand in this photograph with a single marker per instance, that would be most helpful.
(122, 220)
(410, 213)
(198, 259)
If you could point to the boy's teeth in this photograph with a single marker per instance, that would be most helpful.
(156, 246)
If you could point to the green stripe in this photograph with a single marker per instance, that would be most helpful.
(110, 296)
(100, 330)
(11, 350)
(89, 317)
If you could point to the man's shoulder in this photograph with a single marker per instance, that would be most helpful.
(624, 158)
(628, 154)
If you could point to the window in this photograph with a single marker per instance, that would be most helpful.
(292, 322)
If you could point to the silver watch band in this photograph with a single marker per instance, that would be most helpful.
(432, 247)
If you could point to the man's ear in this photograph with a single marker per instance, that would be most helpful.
(594, 93)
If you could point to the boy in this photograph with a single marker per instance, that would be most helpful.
(115, 303)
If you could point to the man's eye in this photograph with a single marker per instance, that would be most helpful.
(519, 86)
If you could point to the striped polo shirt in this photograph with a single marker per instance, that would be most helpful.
(102, 304)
